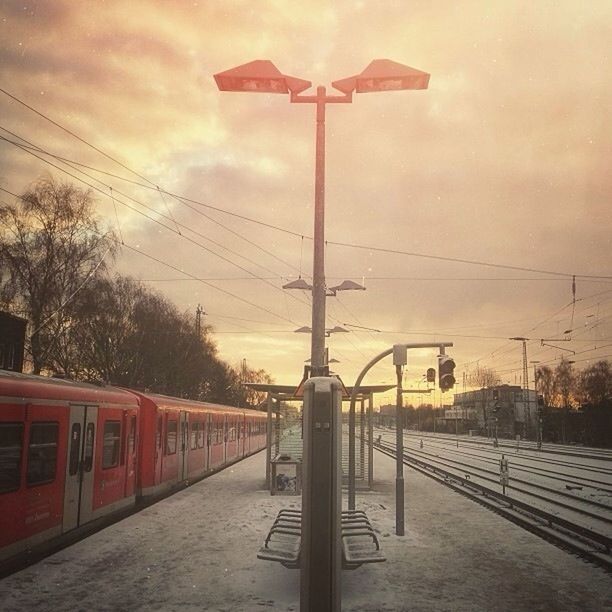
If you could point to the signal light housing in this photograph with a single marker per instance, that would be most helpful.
(431, 375)
(446, 367)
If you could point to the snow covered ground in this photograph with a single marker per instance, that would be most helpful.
(578, 490)
(197, 551)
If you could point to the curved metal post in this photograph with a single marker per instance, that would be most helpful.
(354, 393)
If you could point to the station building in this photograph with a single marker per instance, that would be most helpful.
(509, 408)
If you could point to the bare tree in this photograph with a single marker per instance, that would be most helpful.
(545, 384)
(565, 384)
(51, 245)
(252, 398)
(484, 378)
(595, 383)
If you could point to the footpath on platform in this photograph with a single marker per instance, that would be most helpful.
(197, 550)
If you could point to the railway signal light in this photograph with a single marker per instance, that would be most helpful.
(446, 367)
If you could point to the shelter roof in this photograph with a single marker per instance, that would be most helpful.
(289, 390)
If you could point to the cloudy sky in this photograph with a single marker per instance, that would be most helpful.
(504, 160)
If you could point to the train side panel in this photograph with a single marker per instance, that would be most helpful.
(32, 488)
(52, 446)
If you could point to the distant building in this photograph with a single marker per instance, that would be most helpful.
(12, 341)
(503, 407)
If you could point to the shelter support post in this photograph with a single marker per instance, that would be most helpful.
(370, 440)
(269, 441)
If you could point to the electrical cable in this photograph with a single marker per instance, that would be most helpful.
(157, 221)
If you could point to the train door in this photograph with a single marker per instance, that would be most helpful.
(204, 434)
(225, 437)
(208, 439)
(245, 435)
(159, 446)
(78, 492)
(131, 458)
(248, 434)
(184, 460)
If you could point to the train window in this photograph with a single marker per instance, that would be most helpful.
(132, 438)
(89, 447)
(75, 449)
(171, 438)
(42, 453)
(112, 444)
(11, 437)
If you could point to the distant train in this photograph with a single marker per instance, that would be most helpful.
(72, 453)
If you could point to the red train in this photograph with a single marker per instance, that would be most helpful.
(72, 453)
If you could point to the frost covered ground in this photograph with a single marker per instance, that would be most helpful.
(197, 551)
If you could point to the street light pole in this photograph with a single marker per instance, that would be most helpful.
(319, 291)
(262, 76)
(317, 349)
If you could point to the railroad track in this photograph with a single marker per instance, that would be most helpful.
(600, 454)
(590, 544)
(480, 467)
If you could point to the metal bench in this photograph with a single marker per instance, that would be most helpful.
(359, 541)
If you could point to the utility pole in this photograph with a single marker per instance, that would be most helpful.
(526, 389)
(198, 323)
(525, 385)
(538, 411)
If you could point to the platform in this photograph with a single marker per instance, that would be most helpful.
(197, 551)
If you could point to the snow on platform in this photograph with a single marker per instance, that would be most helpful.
(197, 551)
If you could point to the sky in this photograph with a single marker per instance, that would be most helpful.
(503, 160)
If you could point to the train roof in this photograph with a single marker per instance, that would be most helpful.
(165, 401)
(31, 386)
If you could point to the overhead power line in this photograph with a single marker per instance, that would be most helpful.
(176, 269)
(34, 149)
(168, 227)
(334, 243)
(472, 262)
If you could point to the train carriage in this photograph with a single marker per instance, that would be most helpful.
(72, 453)
(67, 456)
(191, 439)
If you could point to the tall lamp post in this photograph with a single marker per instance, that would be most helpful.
(261, 76)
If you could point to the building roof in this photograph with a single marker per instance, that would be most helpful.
(289, 390)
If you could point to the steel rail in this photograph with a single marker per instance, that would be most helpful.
(582, 541)
(542, 470)
(527, 445)
(465, 468)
